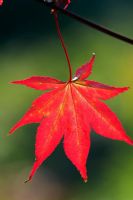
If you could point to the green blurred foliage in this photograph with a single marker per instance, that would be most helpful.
(29, 46)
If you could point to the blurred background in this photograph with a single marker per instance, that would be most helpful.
(29, 46)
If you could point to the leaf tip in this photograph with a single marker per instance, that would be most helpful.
(28, 180)
(83, 174)
(92, 59)
(14, 82)
(85, 180)
(11, 131)
(129, 141)
(124, 89)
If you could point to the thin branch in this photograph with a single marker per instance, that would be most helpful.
(88, 23)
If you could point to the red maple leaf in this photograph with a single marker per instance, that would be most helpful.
(69, 111)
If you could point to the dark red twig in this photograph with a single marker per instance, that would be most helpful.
(88, 23)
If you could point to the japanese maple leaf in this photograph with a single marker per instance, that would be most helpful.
(69, 111)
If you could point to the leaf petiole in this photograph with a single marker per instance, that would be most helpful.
(54, 12)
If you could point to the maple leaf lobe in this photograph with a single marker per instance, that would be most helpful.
(85, 70)
(69, 111)
(40, 82)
